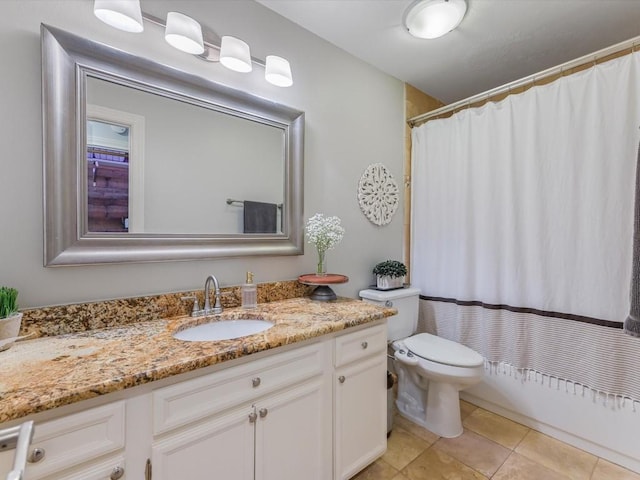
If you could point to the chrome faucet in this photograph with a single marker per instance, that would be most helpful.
(217, 306)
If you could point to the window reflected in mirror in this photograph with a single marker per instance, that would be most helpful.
(107, 177)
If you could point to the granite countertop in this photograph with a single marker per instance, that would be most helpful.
(48, 372)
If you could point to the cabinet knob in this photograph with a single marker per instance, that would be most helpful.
(263, 412)
(388, 303)
(255, 382)
(37, 455)
(364, 345)
(116, 473)
(341, 379)
(252, 417)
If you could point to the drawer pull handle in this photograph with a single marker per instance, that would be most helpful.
(364, 345)
(263, 412)
(255, 382)
(388, 303)
(37, 455)
(116, 473)
(341, 379)
(252, 417)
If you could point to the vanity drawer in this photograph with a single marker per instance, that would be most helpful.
(360, 344)
(77, 438)
(98, 470)
(195, 399)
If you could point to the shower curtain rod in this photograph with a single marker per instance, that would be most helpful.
(591, 58)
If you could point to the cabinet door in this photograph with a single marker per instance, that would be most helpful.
(215, 449)
(293, 434)
(360, 415)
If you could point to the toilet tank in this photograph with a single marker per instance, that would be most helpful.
(405, 300)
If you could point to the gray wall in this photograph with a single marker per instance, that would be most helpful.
(354, 117)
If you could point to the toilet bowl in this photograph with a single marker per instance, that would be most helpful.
(431, 370)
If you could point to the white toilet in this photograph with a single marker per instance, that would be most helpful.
(431, 370)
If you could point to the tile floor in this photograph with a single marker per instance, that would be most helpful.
(491, 447)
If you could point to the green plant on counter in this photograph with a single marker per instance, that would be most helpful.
(8, 301)
(390, 268)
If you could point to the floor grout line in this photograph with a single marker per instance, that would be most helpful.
(502, 464)
(523, 437)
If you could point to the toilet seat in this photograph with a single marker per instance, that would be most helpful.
(443, 351)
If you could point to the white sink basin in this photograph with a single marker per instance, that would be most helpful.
(222, 330)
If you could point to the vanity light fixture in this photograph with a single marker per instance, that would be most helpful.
(278, 71)
(121, 14)
(434, 18)
(185, 34)
(235, 54)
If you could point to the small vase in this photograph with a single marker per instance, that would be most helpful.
(321, 267)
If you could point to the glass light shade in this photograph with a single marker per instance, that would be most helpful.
(184, 33)
(235, 54)
(121, 14)
(434, 18)
(278, 71)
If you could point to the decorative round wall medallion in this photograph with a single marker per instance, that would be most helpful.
(378, 194)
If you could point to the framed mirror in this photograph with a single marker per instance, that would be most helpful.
(145, 163)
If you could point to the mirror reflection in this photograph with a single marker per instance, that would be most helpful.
(159, 165)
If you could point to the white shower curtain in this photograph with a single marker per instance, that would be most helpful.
(525, 207)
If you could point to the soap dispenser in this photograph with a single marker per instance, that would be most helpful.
(249, 293)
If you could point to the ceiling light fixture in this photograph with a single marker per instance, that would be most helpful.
(434, 18)
(121, 14)
(185, 34)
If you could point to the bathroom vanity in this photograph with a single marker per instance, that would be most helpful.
(304, 399)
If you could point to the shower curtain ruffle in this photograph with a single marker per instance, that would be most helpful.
(524, 375)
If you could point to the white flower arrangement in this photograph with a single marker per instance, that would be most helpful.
(325, 233)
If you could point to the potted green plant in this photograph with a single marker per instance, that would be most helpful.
(10, 318)
(390, 274)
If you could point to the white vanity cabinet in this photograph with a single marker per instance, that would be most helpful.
(312, 412)
(265, 420)
(360, 400)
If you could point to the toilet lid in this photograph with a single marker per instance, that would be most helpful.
(443, 351)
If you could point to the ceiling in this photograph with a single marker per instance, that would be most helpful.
(497, 42)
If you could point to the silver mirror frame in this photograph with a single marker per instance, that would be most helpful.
(66, 61)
